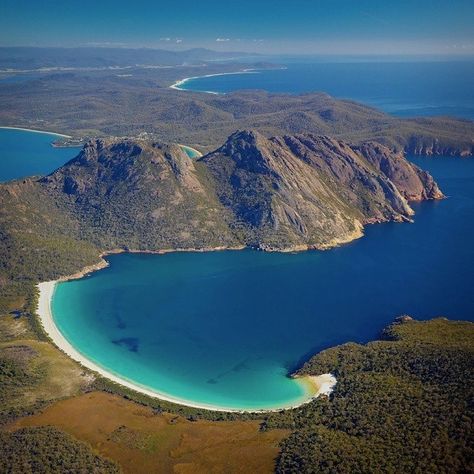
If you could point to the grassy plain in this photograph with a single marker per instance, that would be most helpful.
(142, 441)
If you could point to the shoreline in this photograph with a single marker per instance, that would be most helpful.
(314, 386)
(198, 154)
(36, 131)
(177, 85)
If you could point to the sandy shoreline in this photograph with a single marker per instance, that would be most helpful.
(322, 384)
(177, 85)
(45, 132)
(314, 385)
(197, 152)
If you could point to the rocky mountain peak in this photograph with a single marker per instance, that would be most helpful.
(247, 149)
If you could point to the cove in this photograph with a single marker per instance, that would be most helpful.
(30, 153)
(226, 328)
(27, 153)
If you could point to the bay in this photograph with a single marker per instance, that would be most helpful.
(227, 328)
(401, 88)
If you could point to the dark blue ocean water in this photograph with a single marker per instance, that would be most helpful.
(25, 153)
(225, 328)
(405, 89)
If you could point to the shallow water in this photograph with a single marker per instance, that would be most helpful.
(225, 328)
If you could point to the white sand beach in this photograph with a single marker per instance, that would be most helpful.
(37, 131)
(197, 153)
(178, 84)
(324, 384)
(314, 385)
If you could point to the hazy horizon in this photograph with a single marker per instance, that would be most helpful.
(329, 27)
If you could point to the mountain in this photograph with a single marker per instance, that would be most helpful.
(312, 191)
(281, 193)
(138, 195)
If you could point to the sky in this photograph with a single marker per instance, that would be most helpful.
(264, 26)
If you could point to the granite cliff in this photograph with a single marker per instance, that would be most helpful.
(305, 191)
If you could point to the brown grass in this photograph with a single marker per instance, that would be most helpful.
(52, 374)
(144, 442)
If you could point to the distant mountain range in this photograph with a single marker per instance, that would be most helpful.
(28, 58)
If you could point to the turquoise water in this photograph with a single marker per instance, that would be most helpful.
(24, 153)
(190, 152)
(405, 89)
(225, 328)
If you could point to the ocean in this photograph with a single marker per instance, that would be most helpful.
(226, 328)
(24, 153)
(402, 88)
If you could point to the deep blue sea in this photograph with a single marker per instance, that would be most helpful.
(402, 88)
(26, 153)
(225, 328)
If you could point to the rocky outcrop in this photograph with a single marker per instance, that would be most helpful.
(104, 165)
(412, 182)
(312, 191)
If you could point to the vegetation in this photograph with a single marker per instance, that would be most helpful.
(98, 103)
(401, 404)
(95, 57)
(142, 440)
(48, 450)
(33, 373)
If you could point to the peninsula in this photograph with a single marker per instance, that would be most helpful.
(236, 237)
(285, 193)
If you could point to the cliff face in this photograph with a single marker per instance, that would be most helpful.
(413, 183)
(446, 141)
(283, 193)
(312, 191)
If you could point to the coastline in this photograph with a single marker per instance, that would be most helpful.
(314, 386)
(198, 154)
(322, 384)
(177, 85)
(45, 132)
